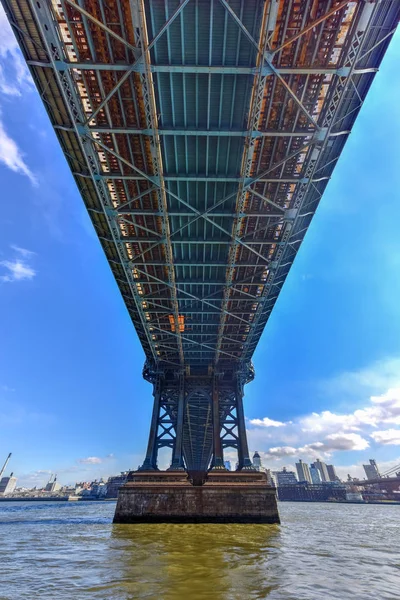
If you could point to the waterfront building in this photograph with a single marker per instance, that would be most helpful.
(371, 470)
(7, 485)
(99, 489)
(306, 492)
(315, 476)
(257, 461)
(332, 473)
(285, 477)
(227, 464)
(303, 471)
(322, 469)
(115, 482)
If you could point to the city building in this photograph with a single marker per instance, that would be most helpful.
(315, 476)
(306, 492)
(257, 461)
(285, 477)
(7, 485)
(371, 470)
(99, 489)
(115, 482)
(322, 469)
(332, 473)
(227, 464)
(303, 471)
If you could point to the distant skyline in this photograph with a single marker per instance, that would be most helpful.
(72, 398)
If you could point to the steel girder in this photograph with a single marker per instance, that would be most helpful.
(202, 161)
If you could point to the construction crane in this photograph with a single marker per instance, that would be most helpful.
(393, 472)
(5, 465)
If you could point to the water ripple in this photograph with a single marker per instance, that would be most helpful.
(64, 551)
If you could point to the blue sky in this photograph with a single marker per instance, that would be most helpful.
(72, 400)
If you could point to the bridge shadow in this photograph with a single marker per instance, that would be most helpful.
(196, 562)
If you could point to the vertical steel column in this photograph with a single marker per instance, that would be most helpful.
(177, 458)
(150, 462)
(218, 456)
(243, 449)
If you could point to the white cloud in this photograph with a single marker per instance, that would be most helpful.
(345, 441)
(17, 268)
(17, 271)
(90, 460)
(11, 84)
(23, 251)
(331, 443)
(14, 80)
(387, 437)
(266, 422)
(322, 434)
(11, 156)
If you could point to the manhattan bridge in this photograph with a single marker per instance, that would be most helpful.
(201, 135)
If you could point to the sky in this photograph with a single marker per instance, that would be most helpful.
(72, 398)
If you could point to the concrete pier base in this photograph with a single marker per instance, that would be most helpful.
(170, 497)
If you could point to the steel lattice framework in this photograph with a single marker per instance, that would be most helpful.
(201, 135)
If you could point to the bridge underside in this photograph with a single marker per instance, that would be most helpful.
(201, 135)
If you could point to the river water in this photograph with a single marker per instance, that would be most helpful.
(72, 551)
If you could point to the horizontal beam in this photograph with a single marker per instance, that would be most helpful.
(199, 312)
(260, 215)
(193, 132)
(218, 265)
(201, 241)
(139, 67)
(194, 178)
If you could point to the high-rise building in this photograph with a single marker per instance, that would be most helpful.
(303, 471)
(371, 470)
(256, 461)
(7, 485)
(285, 477)
(323, 471)
(315, 476)
(227, 464)
(332, 473)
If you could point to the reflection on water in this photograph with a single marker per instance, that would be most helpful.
(197, 561)
(320, 552)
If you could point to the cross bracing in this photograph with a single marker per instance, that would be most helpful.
(202, 135)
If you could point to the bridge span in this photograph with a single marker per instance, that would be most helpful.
(201, 135)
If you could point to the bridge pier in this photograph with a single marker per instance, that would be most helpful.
(197, 414)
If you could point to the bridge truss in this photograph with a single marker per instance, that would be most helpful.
(201, 135)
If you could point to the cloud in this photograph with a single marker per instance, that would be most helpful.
(95, 460)
(14, 80)
(11, 156)
(17, 268)
(387, 437)
(90, 460)
(322, 434)
(266, 422)
(380, 375)
(345, 441)
(18, 271)
(23, 251)
(14, 74)
(331, 443)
